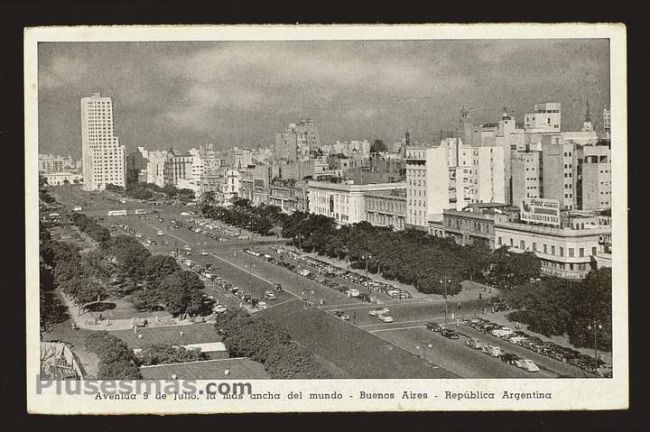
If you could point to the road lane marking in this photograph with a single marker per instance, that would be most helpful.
(396, 328)
(253, 274)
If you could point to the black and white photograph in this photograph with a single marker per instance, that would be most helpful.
(326, 218)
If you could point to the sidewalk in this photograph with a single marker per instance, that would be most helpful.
(91, 321)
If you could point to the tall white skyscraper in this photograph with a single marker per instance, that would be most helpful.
(103, 158)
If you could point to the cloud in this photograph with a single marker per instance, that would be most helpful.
(62, 71)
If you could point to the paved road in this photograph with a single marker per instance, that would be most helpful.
(407, 332)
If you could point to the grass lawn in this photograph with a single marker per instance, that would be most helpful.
(192, 334)
(356, 352)
(240, 368)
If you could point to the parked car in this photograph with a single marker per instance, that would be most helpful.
(220, 309)
(262, 305)
(474, 343)
(527, 364)
(353, 292)
(270, 295)
(493, 351)
(204, 253)
(503, 332)
(509, 358)
(433, 326)
(379, 311)
(448, 333)
(160, 233)
(341, 314)
(386, 318)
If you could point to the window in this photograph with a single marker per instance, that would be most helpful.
(571, 252)
(512, 242)
(545, 249)
(534, 247)
(581, 252)
(500, 240)
(552, 250)
(522, 245)
(593, 250)
(561, 251)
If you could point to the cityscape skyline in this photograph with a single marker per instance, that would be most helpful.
(231, 94)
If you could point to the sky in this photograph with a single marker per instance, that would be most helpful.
(184, 94)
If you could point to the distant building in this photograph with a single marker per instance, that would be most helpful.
(594, 172)
(178, 168)
(547, 117)
(156, 167)
(53, 164)
(386, 208)
(62, 178)
(137, 163)
(559, 162)
(563, 252)
(103, 158)
(297, 141)
(427, 184)
(344, 202)
(607, 122)
(475, 224)
(526, 175)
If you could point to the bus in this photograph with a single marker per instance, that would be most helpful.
(140, 211)
(117, 213)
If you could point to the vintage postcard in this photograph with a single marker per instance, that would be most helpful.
(326, 218)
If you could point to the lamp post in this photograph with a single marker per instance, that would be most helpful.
(250, 278)
(596, 326)
(444, 281)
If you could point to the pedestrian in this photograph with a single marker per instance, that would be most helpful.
(459, 305)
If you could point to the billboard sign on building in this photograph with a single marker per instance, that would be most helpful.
(540, 211)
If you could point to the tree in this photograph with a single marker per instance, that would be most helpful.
(378, 147)
(130, 255)
(208, 198)
(181, 292)
(157, 267)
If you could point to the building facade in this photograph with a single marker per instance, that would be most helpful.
(427, 184)
(53, 164)
(474, 225)
(594, 178)
(344, 202)
(103, 158)
(564, 252)
(386, 208)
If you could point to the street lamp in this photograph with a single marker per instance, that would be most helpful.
(444, 282)
(596, 326)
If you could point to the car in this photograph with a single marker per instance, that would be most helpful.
(493, 351)
(204, 253)
(433, 326)
(220, 309)
(353, 292)
(503, 332)
(448, 333)
(379, 311)
(185, 214)
(527, 365)
(270, 295)
(474, 343)
(262, 305)
(341, 314)
(187, 248)
(509, 358)
(386, 318)
(160, 233)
